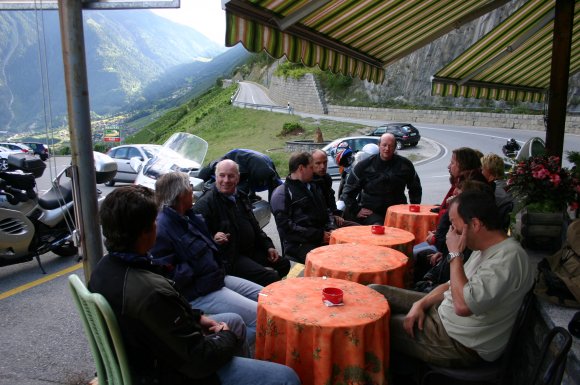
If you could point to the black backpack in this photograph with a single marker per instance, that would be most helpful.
(558, 277)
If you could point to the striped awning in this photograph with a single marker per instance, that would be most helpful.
(356, 38)
(513, 61)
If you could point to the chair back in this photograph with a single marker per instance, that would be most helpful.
(517, 331)
(550, 368)
(496, 372)
(102, 331)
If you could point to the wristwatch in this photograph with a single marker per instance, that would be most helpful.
(451, 256)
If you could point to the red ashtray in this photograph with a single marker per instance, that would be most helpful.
(377, 229)
(332, 294)
(414, 208)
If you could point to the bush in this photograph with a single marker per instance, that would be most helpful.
(291, 129)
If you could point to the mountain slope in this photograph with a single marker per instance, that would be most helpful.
(127, 52)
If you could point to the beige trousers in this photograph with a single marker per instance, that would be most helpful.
(432, 344)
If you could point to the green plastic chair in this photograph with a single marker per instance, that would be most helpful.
(103, 333)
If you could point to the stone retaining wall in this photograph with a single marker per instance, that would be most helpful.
(305, 95)
(303, 145)
(458, 118)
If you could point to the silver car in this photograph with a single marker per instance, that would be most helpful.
(4, 153)
(122, 156)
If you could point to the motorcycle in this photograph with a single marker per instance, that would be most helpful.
(185, 152)
(181, 152)
(511, 148)
(32, 225)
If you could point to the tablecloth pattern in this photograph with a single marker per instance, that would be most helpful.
(418, 223)
(325, 345)
(397, 239)
(363, 264)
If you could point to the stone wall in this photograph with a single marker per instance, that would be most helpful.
(457, 118)
(303, 94)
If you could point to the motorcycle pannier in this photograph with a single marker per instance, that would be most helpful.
(18, 180)
(27, 163)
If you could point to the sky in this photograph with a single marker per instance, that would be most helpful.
(205, 16)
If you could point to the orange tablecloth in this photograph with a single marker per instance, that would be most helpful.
(324, 345)
(357, 263)
(397, 239)
(418, 223)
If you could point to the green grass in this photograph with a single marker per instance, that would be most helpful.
(225, 127)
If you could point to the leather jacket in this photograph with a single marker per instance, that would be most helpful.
(163, 338)
(381, 184)
(301, 213)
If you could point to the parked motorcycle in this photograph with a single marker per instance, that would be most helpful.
(32, 225)
(185, 152)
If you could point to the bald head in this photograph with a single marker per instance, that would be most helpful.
(320, 162)
(227, 176)
(387, 146)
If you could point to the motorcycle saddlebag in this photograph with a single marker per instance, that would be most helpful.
(27, 163)
(18, 179)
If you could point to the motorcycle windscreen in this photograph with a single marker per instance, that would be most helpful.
(181, 152)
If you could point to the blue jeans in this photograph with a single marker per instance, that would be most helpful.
(238, 296)
(238, 327)
(245, 371)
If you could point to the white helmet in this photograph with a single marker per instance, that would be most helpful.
(370, 148)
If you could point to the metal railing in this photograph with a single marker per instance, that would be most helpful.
(265, 107)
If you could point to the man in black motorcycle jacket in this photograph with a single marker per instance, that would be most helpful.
(167, 342)
(379, 182)
(302, 218)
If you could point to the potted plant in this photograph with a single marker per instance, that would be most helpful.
(544, 191)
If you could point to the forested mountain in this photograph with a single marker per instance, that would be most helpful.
(134, 58)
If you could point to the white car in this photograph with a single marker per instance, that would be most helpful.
(122, 156)
(17, 147)
(356, 143)
(4, 152)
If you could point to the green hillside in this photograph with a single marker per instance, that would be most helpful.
(224, 127)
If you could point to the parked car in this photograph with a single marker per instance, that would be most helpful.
(39, 149)
(123, 154)
(356, 143)
(4, 152)
(17, 147)
(405, 134)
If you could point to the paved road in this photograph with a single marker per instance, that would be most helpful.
(41, 337)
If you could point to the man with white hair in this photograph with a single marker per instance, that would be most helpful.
(245, 248)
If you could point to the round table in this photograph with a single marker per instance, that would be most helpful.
(397, 239)
(363, 264)
(418, 223)
(323, 343)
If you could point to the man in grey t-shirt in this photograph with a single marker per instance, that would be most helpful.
(468, 319)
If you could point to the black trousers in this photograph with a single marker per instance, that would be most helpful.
(260, 270)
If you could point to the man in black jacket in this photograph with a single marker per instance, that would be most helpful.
(167, 342)
(379, 182)
(247, 251)
(299, 207)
